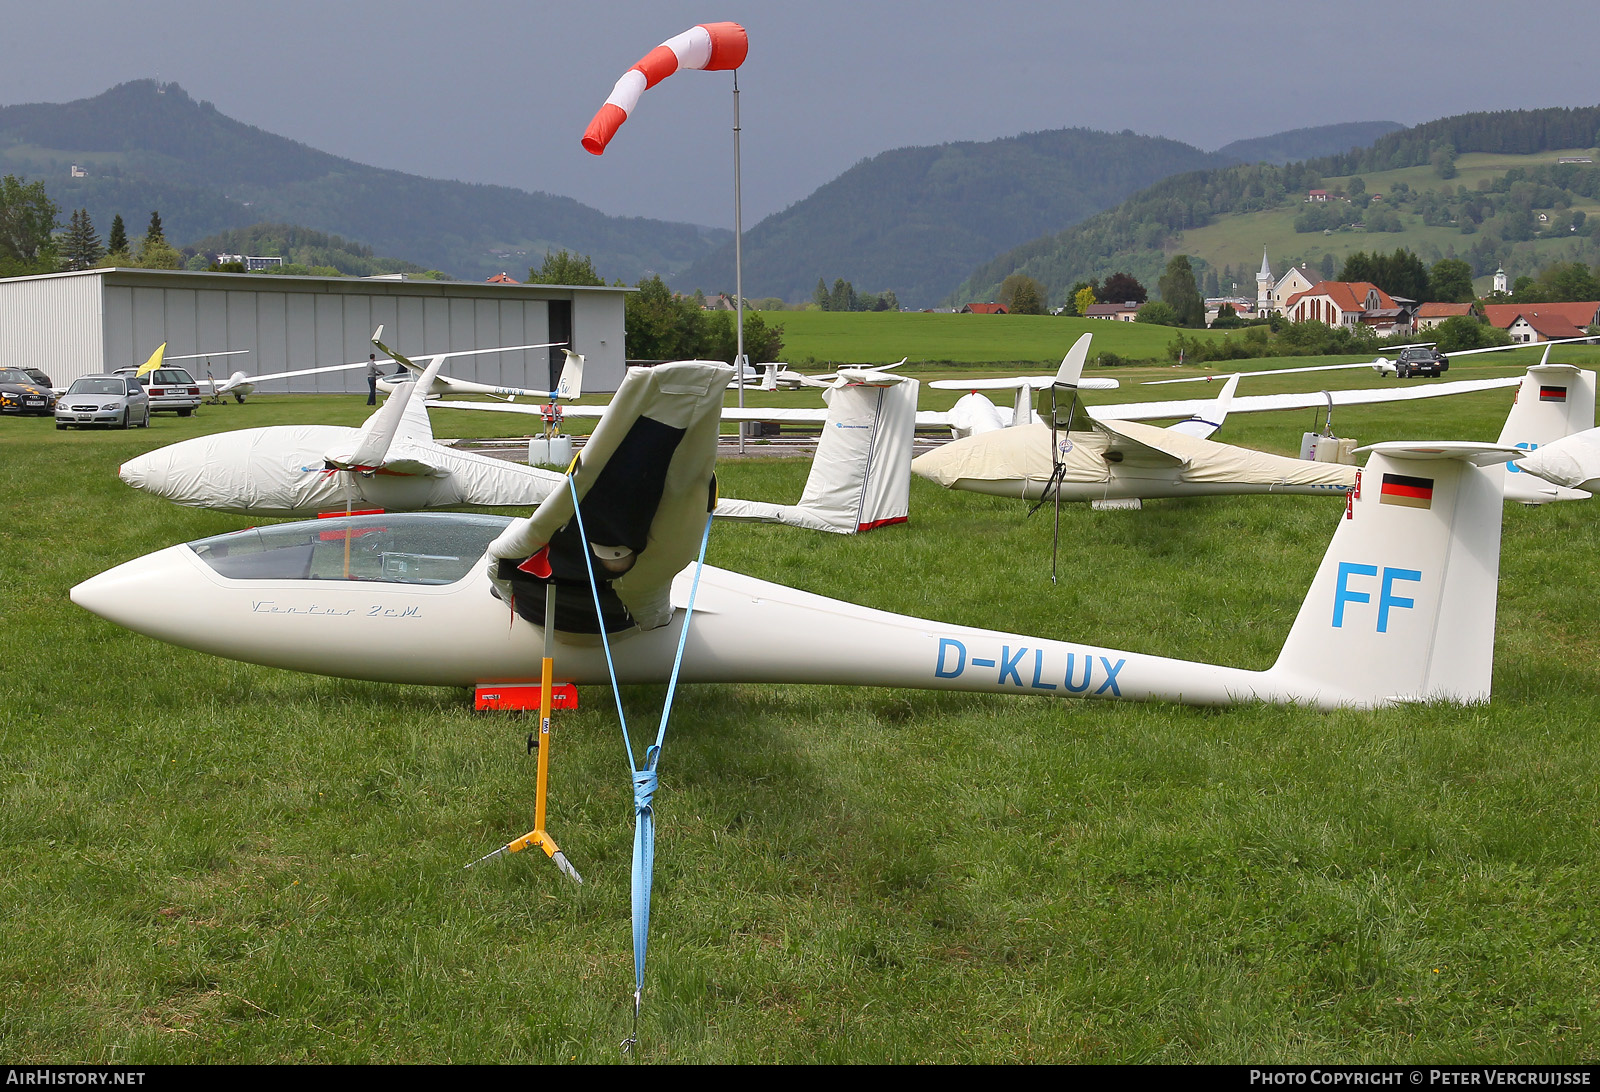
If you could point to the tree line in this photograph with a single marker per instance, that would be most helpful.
(662, 325)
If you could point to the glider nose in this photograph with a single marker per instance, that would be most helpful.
(132, 594)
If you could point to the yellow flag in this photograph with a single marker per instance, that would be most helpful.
(154, 362)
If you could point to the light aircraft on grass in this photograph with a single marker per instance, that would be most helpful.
(1402, 607)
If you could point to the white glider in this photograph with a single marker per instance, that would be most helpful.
(1402, 607)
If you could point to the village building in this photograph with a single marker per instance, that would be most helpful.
(1430, 315)
(1298, 279)
(1351, 304)
(1533, 323)
(984, 309)
(1119, 312)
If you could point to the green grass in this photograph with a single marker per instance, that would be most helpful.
(829, 337)
(208, 861)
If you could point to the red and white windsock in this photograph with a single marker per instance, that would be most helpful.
(710, 47)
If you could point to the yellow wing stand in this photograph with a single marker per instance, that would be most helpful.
(538, 836)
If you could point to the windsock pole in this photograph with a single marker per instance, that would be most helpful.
(738, 258)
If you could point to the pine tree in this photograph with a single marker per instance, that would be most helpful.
(154, 234)
(117, 243)
(1179, 290)
(81, 247)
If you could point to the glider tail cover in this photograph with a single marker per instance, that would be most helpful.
(861, 475)
(371, 447)
(1555, 400)
(1203, 424)
(1403, 605)
(645, 482)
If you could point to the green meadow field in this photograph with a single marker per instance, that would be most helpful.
(829, 338)
(206, 861)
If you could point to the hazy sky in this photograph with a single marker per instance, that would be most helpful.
(501, 91)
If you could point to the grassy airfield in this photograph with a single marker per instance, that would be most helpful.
(208, 861)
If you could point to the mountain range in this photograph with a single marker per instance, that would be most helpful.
(915, 220)
(146, 145)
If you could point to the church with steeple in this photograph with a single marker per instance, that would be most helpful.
(1264, 286)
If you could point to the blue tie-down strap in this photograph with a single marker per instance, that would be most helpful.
(644, 857)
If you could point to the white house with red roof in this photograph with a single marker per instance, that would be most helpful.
(1532, 323)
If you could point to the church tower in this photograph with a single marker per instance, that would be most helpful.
(1264, 286)
(1500, 280)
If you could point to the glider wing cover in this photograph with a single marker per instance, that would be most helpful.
(1572, 462)
(1554, 401)
(645, 483)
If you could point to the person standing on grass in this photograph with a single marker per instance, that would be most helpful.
(372, 379)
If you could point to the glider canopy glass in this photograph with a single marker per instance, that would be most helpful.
(404, 548)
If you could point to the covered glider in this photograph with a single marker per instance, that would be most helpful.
(709, 47)
(391, 462)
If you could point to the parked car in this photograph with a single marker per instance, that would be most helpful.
(20, 392)
(116, 401)
(170, 389)
(1421, 360)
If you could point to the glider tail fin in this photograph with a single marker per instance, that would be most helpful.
(1208, 420)
(1555, 400)
(1403, 605)
(1071, 369)
(570, 384)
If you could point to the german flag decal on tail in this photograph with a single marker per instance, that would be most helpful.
(1405, 490)
(1551, 393)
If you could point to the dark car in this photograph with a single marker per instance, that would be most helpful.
(22, 393)
(117, 401)
(1421, 360)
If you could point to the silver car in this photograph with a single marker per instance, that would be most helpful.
(116, 401)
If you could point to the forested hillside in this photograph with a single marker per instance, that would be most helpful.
(150, 146)
(915, 219)
(302, 247)
(1311, 143)
(1484, 187)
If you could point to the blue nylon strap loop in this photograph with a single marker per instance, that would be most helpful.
(644, 789)
(644, 780)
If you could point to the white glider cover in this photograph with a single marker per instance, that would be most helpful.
(285, 470)
(1016, 462)
(1554, 401)
(644, 481)
(861, 476)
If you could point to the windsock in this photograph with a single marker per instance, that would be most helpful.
(710, 47)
